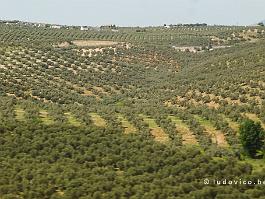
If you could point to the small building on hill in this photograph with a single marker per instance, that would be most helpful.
(84, 28)
(56, 26)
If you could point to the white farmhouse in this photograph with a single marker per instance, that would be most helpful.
(56, 26)
(84, 28)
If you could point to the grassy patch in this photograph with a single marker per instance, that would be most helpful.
(255, 118)
(72, 120)
(204, 122)
(151, 122)
(258, 164)
(187, 135)
(98, 120)
(45, 118)
(156, 131)
(217, 136)
(20, 114)
(233, 125)
(129, 128)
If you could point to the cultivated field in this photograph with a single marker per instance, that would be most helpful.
(131, 113)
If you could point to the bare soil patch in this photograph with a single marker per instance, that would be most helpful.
(93, 43)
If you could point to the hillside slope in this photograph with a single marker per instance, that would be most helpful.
(131, 116)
